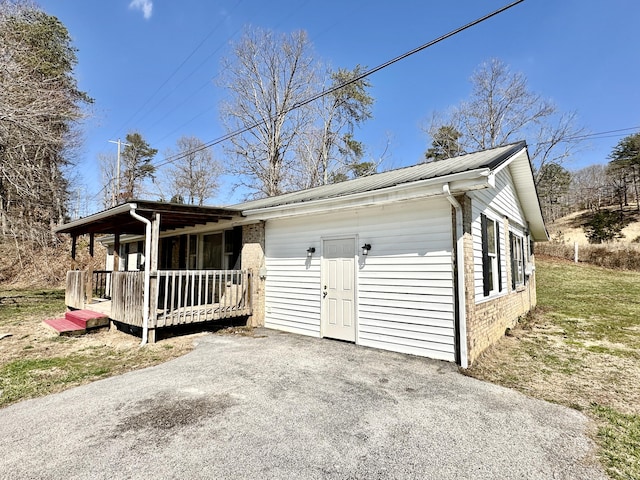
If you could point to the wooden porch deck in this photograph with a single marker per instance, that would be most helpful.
(177, 297)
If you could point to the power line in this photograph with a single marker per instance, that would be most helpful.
(207, 83)
(175, 71)
(594, 136)
(328, 91)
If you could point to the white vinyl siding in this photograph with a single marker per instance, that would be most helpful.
(496, 203)
(405, 299)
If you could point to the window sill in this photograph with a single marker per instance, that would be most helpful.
(492, 296)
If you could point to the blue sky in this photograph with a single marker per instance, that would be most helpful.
(151, 65)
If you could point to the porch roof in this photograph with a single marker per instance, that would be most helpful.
(172, 215)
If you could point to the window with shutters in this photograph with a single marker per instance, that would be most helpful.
(491, 274)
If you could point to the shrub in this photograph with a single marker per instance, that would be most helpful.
(620, 257)
(604, 226)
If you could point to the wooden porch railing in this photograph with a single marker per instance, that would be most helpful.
(75, 289)
(201, 295)
(178, 296)
(127, 297)
(101, 284)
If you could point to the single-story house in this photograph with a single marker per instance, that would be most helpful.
(434, 259)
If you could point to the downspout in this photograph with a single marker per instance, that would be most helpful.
(462, 309)
(147, 273)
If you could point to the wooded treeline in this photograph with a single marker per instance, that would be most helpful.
(40, 106)
(615, 185)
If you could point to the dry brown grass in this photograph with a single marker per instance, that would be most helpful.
(617, 256)
(28, 265)
(568, 229)
(539, 360)
(620, 254)
(35, 361)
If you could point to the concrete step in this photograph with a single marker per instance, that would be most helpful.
(87, 318)
(64, 326)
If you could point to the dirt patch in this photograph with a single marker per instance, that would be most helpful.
(32, 337)
(540, 361)
(35, 361)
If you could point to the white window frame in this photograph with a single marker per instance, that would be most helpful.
(517, 256)
(491, 257)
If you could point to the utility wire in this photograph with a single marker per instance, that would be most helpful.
(173, 74)
(208, 82)
(594, 136)
(328, 91)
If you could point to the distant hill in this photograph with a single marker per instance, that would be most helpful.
(569, 229)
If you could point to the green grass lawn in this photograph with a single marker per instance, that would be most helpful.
(34, 361)
(581, 348)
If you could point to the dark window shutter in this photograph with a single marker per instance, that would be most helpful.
(498, 249)
(513, 260)
(485, 256)
(524, 261)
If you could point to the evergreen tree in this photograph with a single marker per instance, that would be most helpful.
(136, 166)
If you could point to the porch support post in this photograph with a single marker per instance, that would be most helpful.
(152, 258)
(253, 238)
(116, 252)
(89, 284)
(91, 244)
(73, 251)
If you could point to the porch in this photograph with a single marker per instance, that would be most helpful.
(177, 296)
(188, 265)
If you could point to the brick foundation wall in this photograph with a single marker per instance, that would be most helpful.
(491, 318)
(253, 258)
(488, 320)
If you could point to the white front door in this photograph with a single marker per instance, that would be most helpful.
(338, 290)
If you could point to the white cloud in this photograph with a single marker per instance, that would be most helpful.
(145, 6)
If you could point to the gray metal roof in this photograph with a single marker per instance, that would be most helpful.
(490, 159)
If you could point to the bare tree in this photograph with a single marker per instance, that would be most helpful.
(267, 78)
(195, 176)
(502, 109)
(329, 146)
(588, 187)
(108, 169)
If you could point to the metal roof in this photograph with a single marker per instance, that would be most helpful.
(473, 161)
(172, 215)
(118, 219)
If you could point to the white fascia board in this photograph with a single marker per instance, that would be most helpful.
(210, 227)
(458, 182)
(195, 229)
(521, 173)
(96, 216)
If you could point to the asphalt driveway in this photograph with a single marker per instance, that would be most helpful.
(284, 406)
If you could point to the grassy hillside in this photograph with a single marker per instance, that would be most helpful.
(622, 253)
(569, 229)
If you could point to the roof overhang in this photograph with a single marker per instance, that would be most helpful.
(458, 183)
(522, 174)
(118, 220)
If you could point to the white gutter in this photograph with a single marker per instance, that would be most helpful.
(147, 272)
(462, 309)
(468, 180)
